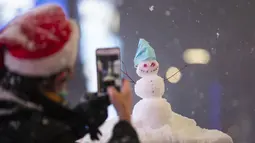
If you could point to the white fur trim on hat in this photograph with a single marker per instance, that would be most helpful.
(64, 58)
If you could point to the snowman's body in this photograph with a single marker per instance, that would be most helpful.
(150, 87)
(152, 113)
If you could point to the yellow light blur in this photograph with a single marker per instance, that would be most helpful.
(196, 56)
(173, 75)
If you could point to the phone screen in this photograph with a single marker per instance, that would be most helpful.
(108, 68)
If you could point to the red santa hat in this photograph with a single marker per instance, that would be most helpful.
(40, 43)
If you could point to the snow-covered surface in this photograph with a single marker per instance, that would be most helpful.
(155, 122)
(181, 130)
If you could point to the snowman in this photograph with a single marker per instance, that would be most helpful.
(151, 89)
(152, 116)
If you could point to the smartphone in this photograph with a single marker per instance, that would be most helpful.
(108, 69)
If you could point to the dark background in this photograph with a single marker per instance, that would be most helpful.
(218, 95)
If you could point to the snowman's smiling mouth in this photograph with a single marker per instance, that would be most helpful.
(148, 71)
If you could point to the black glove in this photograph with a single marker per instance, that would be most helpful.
(95, 109)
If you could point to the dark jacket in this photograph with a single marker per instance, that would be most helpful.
(36, 119)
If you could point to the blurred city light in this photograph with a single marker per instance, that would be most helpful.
(173, 75)
(11, 8)
(99, 23)
(196, 56)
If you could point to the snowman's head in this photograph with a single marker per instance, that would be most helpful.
(147, 68)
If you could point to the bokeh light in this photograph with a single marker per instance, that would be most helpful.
(196, 56)
(99, 22)
(98, 30)
(173, 75)
(10, 8)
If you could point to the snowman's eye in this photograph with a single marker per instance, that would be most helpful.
(153, 64)
(145, 65)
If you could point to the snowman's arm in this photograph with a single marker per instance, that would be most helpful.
(126, 73)
(166, 78)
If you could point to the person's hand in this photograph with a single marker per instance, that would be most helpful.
(122, 101)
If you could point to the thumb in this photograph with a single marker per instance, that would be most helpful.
(112, 92)
(126, 88)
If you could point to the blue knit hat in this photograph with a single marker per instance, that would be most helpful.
(144, 52)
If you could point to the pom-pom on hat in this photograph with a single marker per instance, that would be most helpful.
(40, 42)
(144, 52)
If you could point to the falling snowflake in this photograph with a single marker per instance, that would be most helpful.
(31, 46)
(226, 73)
(213, 50)
(235, 103)
(136, 32)
(172, 8)
(197, 21)
(126, 13)
(193, 113)
(151, 8)
(201, 95)
(201, 13)
(173, 21)
(12, 81)
(45, 121)
(237, 5)
(167, 13)
(217, 35)
(252, 50)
